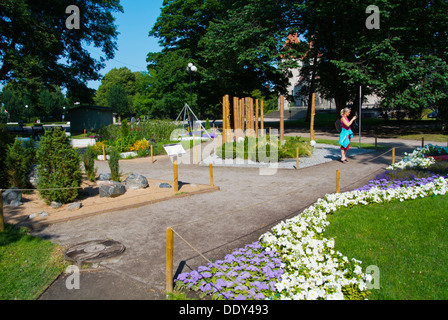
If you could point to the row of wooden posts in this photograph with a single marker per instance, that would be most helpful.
(248, 116)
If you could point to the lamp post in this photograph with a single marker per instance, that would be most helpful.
(190, 69)
(27, 113)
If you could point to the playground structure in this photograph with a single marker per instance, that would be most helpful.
(192, 125)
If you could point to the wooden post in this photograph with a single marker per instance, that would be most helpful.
(152, 154)
(423, 142)
(235, 118)
(297, 164)
(104, 153)
(338, 181)
(211, 175)
(197, 155)
(257, 106)
(251, 115)
(176, 176)
(226, 126)
(376, 143)
(262, 116)
(242, 115)
(2, 221)
(282, 118)
(169, 260)
(224, 120)
(393, 156)
(192, 149)
(313, 113)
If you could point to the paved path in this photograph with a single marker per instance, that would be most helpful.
(248, 205)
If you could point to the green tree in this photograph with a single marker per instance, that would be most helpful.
(5, 141)
(59, 168)
(119, 101)
(14, 104)
(402, 62)
(52, 104)
(19, 159)
(143, 100)
(37, 48)
(116, 77)
(236, 46)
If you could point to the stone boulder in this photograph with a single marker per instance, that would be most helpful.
(11, 195)
(104, 177)
(74, 206)
(111, 189)
(165, 186)
(136, 181)
(33, 176)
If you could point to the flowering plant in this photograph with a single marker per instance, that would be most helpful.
(247, 273)
(302, 263)
(420, 157)
(140, 145)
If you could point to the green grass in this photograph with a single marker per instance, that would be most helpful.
(353, 144)
(428, 137)
(28, 265)
(255, 148)
(408, 241)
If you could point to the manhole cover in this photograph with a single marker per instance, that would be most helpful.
(94, 251)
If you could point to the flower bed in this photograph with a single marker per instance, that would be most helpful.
(420, 157)
(302, 264)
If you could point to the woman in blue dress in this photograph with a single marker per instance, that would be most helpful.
(346, 133)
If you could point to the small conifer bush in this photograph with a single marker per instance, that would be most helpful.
(59, 168)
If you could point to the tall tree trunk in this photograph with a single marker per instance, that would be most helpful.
(312, 83)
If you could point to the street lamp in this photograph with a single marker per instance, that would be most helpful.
(190, 69)
(27, 113)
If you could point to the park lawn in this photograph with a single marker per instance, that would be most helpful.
(407, 241)
(426, 136)
(28, 265)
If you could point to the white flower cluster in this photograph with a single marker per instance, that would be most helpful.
(416, 159)
(313, 269)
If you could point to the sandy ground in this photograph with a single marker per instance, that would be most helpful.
(93, 204)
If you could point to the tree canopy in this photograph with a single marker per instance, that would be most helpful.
(239, 47)
(37, 48)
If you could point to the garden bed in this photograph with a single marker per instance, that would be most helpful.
(93, 204)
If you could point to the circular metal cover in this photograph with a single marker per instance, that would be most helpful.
(94, 251)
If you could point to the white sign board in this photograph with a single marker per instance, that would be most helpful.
(174, 150)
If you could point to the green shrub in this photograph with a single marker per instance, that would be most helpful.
(207, 125)
(257, 149)
(114, 165)
(89, 163)
(5, 140)
(124, 128)
(59, 168)
(20, 156)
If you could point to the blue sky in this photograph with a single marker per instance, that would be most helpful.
(133, 41)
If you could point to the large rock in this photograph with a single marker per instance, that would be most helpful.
(111, 189)
(136, 181)
(74, 206)
(104, 177)
(33, 176)
(11, 195)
